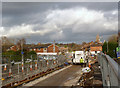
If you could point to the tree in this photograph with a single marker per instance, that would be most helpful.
(112, 49)
(7, 41)
(83, 43)
(113, 38)
(33, 54)
(72, 45)
(65, 46)
(104, 47)
(21, 41)
(10, 55)
(112, 45)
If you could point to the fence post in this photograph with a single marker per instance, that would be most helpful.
(18, 73)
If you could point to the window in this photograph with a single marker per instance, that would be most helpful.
(39, 49)
(45, 49)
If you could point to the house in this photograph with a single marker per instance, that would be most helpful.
(14, 48)
(63, 49)
(97, 43)
(86, 47)
(51, 49)
(95, 49)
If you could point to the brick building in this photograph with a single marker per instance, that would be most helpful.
(45, 50)
(63, 49)
(14, 48)
(95, 49)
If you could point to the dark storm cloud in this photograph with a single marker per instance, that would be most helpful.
(16, 13)
(22, 12)
(103, 6)
(60, 21)
(78, 37)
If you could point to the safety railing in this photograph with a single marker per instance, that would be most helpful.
(30, 69)
(110, 71)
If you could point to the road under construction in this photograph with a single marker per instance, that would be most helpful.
(61, 73)
(66, 77)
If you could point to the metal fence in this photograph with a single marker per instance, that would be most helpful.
(42, 66)
(110, 71)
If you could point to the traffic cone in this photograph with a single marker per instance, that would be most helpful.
(54, 62)
(5, 68)
(35, 65)
(31, 67)
(10, 72)
(89, 65)
(22, 67)
(22, 63)
(47, 62)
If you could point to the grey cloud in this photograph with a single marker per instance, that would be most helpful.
(23, 12)
(17, 13)
(78, 38)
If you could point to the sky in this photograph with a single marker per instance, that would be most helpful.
(64, 22)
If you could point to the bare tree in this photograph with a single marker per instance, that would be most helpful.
(7, 41)
(22, 40)
(113, 38)
(83, 43)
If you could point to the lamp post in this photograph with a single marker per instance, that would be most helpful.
(107, 46)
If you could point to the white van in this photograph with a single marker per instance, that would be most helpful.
(78, 55)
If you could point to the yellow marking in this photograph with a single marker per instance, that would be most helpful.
(3, 79)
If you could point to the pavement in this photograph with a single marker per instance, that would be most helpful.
(67, 77)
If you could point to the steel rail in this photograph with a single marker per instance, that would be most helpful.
(111, 63)
(115, 66)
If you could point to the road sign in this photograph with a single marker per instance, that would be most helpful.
(22, 52)
(118, 52)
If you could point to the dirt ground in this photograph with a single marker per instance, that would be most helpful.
(67, 77)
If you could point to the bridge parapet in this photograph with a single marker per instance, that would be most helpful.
(110, 71)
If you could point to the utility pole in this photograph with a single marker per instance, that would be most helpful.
(107, 46)
(31, 63)
(22, 55)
